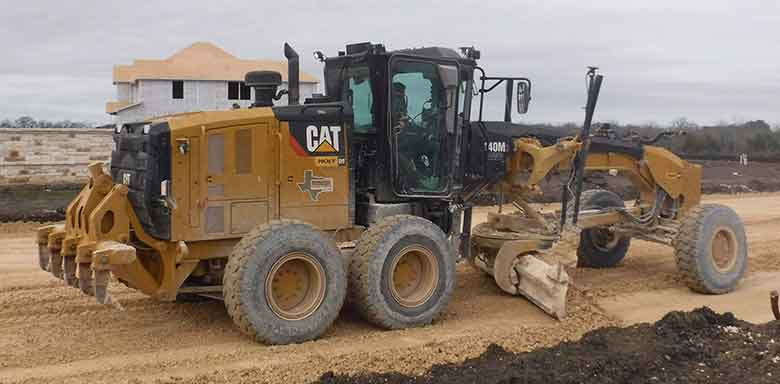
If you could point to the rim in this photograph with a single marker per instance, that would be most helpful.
(723, 249)
(414, 275)
(604, 239)
(295, 287)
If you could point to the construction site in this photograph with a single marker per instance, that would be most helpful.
(393, 219)
(54, 334)
(151, 278)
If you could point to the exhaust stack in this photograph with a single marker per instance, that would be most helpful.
(293, 84)
(265, 84)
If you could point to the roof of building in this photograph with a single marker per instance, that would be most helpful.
(200, 61)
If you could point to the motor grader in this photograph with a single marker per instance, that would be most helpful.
(365, 195)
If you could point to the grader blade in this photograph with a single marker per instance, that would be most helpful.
(543, 284)
(527, 263)
(518, 271)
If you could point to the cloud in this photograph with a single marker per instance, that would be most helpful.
(708, 60)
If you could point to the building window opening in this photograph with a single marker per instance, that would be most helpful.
(238, 90)
(178, 89)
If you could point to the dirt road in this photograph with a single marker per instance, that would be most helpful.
(51, 333)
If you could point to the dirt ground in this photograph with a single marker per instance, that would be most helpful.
(53, 334)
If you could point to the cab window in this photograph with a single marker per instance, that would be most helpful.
(418, 105)
(359, 95)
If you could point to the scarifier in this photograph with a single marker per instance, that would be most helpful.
(282, 211)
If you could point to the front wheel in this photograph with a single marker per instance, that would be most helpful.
(600, 247)
(402, 272)
(711, 249)
(284, 283)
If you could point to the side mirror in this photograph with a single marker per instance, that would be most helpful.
(523, 96)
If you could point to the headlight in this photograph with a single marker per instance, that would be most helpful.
(118, 128)
(146, 128)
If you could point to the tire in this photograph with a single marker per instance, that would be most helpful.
(399, 244)
(269, 254)
(599, 248)
(711, 249)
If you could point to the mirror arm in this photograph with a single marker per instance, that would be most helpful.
(508, 104)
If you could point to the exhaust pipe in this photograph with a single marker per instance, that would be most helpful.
(293, 84)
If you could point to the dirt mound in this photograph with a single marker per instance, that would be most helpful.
(684, 347)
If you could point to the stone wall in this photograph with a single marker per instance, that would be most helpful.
(51, 156)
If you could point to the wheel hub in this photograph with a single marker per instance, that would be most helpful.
(604, 239)
(295, 286)
(414, 275)
(723, 249)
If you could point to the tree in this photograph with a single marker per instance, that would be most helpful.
(25, 122)
(683, 124)
(758, 125)
(29, 122)
(763, 142)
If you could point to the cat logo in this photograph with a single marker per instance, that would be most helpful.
(323, 139)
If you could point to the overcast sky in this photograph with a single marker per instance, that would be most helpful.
(708, 60)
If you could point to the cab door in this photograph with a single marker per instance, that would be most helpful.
(422, 125)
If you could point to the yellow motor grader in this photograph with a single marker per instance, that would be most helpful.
(284, 211)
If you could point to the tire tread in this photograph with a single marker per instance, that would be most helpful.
(360, 280)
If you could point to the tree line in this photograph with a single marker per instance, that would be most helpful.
(29, 122)
(756, 138)
(723, 140)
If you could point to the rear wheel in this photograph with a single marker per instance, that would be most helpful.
(600, 247)
(402, 272)
(284, 283)
(711, 249)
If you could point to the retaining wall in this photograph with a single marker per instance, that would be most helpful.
(51, 156)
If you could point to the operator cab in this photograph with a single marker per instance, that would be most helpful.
(412, 144)
(411, 137)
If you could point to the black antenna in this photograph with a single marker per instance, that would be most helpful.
(578, 171)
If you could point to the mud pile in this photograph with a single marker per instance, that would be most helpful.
(684, 347)
(40, 203)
